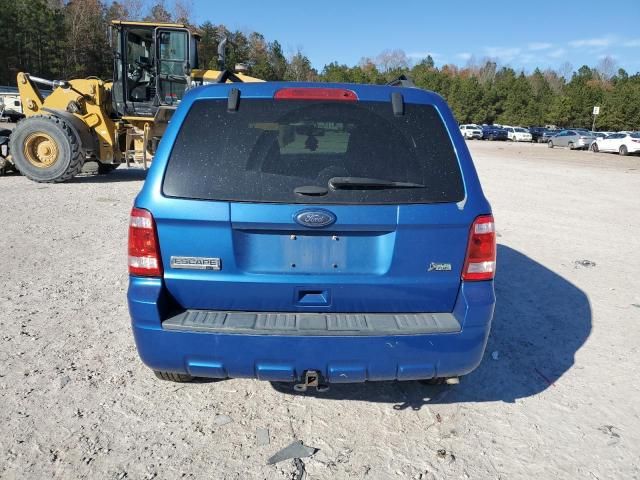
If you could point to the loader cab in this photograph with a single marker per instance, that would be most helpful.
(152, 66)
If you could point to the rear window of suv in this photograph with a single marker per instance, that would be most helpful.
(267, 149)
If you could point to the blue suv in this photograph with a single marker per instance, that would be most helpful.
(313, 234)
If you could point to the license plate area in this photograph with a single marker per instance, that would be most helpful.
(261, 251)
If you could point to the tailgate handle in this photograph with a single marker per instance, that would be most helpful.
(312, 297)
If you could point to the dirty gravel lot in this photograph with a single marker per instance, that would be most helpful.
(559, 400)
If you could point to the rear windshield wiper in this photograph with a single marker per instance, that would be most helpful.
(363, 183)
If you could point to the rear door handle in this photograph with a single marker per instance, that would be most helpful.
(312, 297)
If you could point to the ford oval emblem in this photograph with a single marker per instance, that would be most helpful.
(315, 218)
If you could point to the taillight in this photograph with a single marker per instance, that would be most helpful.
(144, 254)
(303, 93)
(480, 262)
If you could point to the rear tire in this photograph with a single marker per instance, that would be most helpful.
(594, 147)
(173, 377)
(550, 144)
(623, 150)
(46, 149)
(571, 147)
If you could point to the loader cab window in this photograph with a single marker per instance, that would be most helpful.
(152, 68)
(173, 64)
(139, 65)
(193, 52)
(134, 78)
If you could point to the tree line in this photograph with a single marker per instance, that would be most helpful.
(63, 39)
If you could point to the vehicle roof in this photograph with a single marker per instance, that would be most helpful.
(155, 25)
(149, 24)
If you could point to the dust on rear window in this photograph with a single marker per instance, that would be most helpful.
(267, 149)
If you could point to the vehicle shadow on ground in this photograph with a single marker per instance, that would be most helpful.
(540, 322)
(121, 174)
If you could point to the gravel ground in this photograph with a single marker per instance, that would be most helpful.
(555, 396)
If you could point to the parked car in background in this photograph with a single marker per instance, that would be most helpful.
(602, 134)
(622, 143)
(309, 257)
(492, 132)
(10, 107)
(548, 134)
(471, 131)
(11, 116)
(537, 133)
(573, 139)
(518, 134)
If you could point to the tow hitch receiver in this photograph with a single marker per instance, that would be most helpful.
(311, 379)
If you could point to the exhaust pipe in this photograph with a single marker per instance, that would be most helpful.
(221, 53)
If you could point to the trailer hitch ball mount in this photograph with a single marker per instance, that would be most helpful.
(311, 379)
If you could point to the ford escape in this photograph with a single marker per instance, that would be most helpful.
(314, 234)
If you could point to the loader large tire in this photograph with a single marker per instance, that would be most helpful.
(46, 149)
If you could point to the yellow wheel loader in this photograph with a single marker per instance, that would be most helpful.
(105, 124)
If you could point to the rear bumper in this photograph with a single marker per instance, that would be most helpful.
(339, 358)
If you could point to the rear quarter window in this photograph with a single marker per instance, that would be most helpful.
(267, 149)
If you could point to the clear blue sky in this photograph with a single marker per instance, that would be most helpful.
(520, 34)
